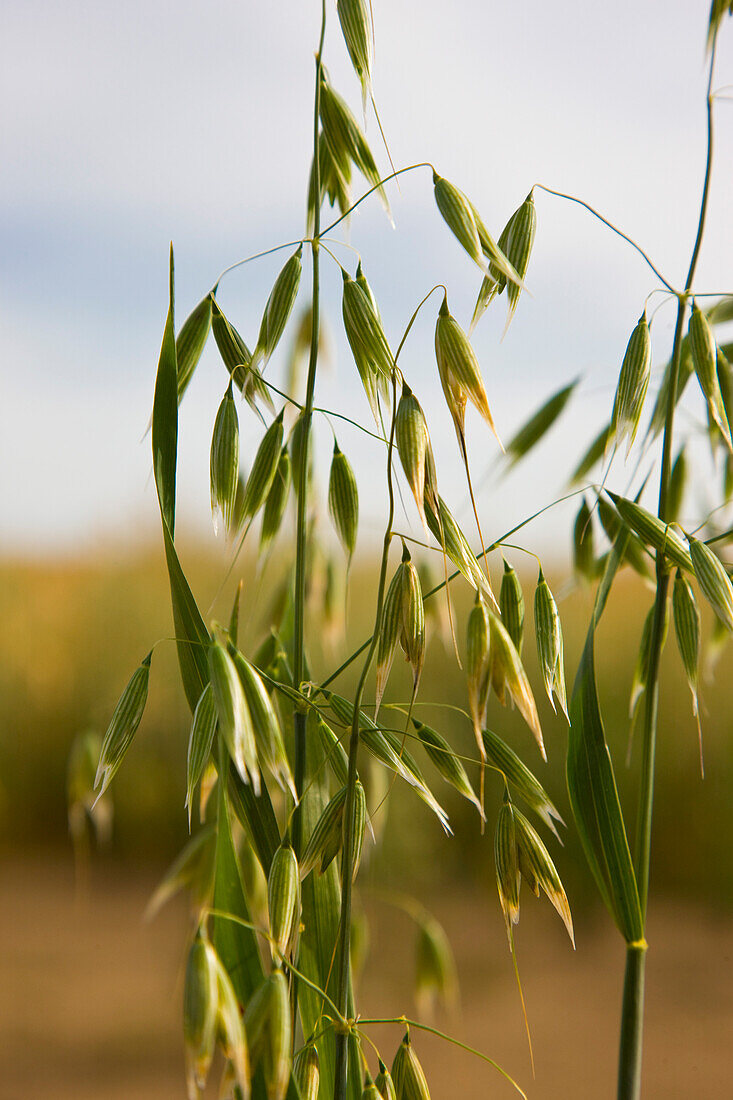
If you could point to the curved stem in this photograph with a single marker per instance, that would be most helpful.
(249, 259)
(611, 226)
(391, 176)
(406, 1022)
(632, 1016)
(343, 961)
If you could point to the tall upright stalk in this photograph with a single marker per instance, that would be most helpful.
(632, 1018)
(300, 717)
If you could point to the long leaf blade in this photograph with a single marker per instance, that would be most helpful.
(595, 803)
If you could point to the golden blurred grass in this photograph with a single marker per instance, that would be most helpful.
(75, 629)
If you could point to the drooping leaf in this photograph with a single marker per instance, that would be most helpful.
(538, 424)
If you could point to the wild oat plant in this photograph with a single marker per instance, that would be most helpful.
(283, 772)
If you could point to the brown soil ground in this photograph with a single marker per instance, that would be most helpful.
(90, 1004)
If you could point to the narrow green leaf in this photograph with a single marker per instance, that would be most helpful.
(592, 456)
(165, 418)
(192, 637)
(595, 803)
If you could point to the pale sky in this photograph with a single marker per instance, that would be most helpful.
(129, 125)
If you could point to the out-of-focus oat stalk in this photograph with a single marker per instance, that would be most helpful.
(632, 1016)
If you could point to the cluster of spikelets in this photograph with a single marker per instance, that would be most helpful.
(241, 699)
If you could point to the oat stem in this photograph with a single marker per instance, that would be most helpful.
(632, 1017)
(346, 869)
(300, 717)
(612, 227)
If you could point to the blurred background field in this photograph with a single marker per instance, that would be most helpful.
(92, 1001)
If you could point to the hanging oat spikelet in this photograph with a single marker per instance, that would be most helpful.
(713, 580)
(283, 901)
(264, 469)
(537, 867)
(458, 215)
(200, 1006)
(687, 630)
(526, 785)
(408, 1075)
(499, 265)
(632, 385)
(265, 723)
(435, 968)
(653, 531)
(477, 657)
(230, 1029)
(335, 179)
(354, 19)
(455, 544)
(460, 374)
(276, 501)
(191, 341)
(224, 462)
(325, 840)
(278, 309)
(344, 136)
(123, 724)
(370, 1090)
(549, 643)
(384, 1083)
(306, 1070)
(334, 751)
(515, 242)
(199, 744)
(510, 255)
(235, 721)
(507, 675)
(511, 605)
(415, 449)
(506, 860)
(704, 356)
(343, 499)
(403, 621)
(446, 762)
(368, 343)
